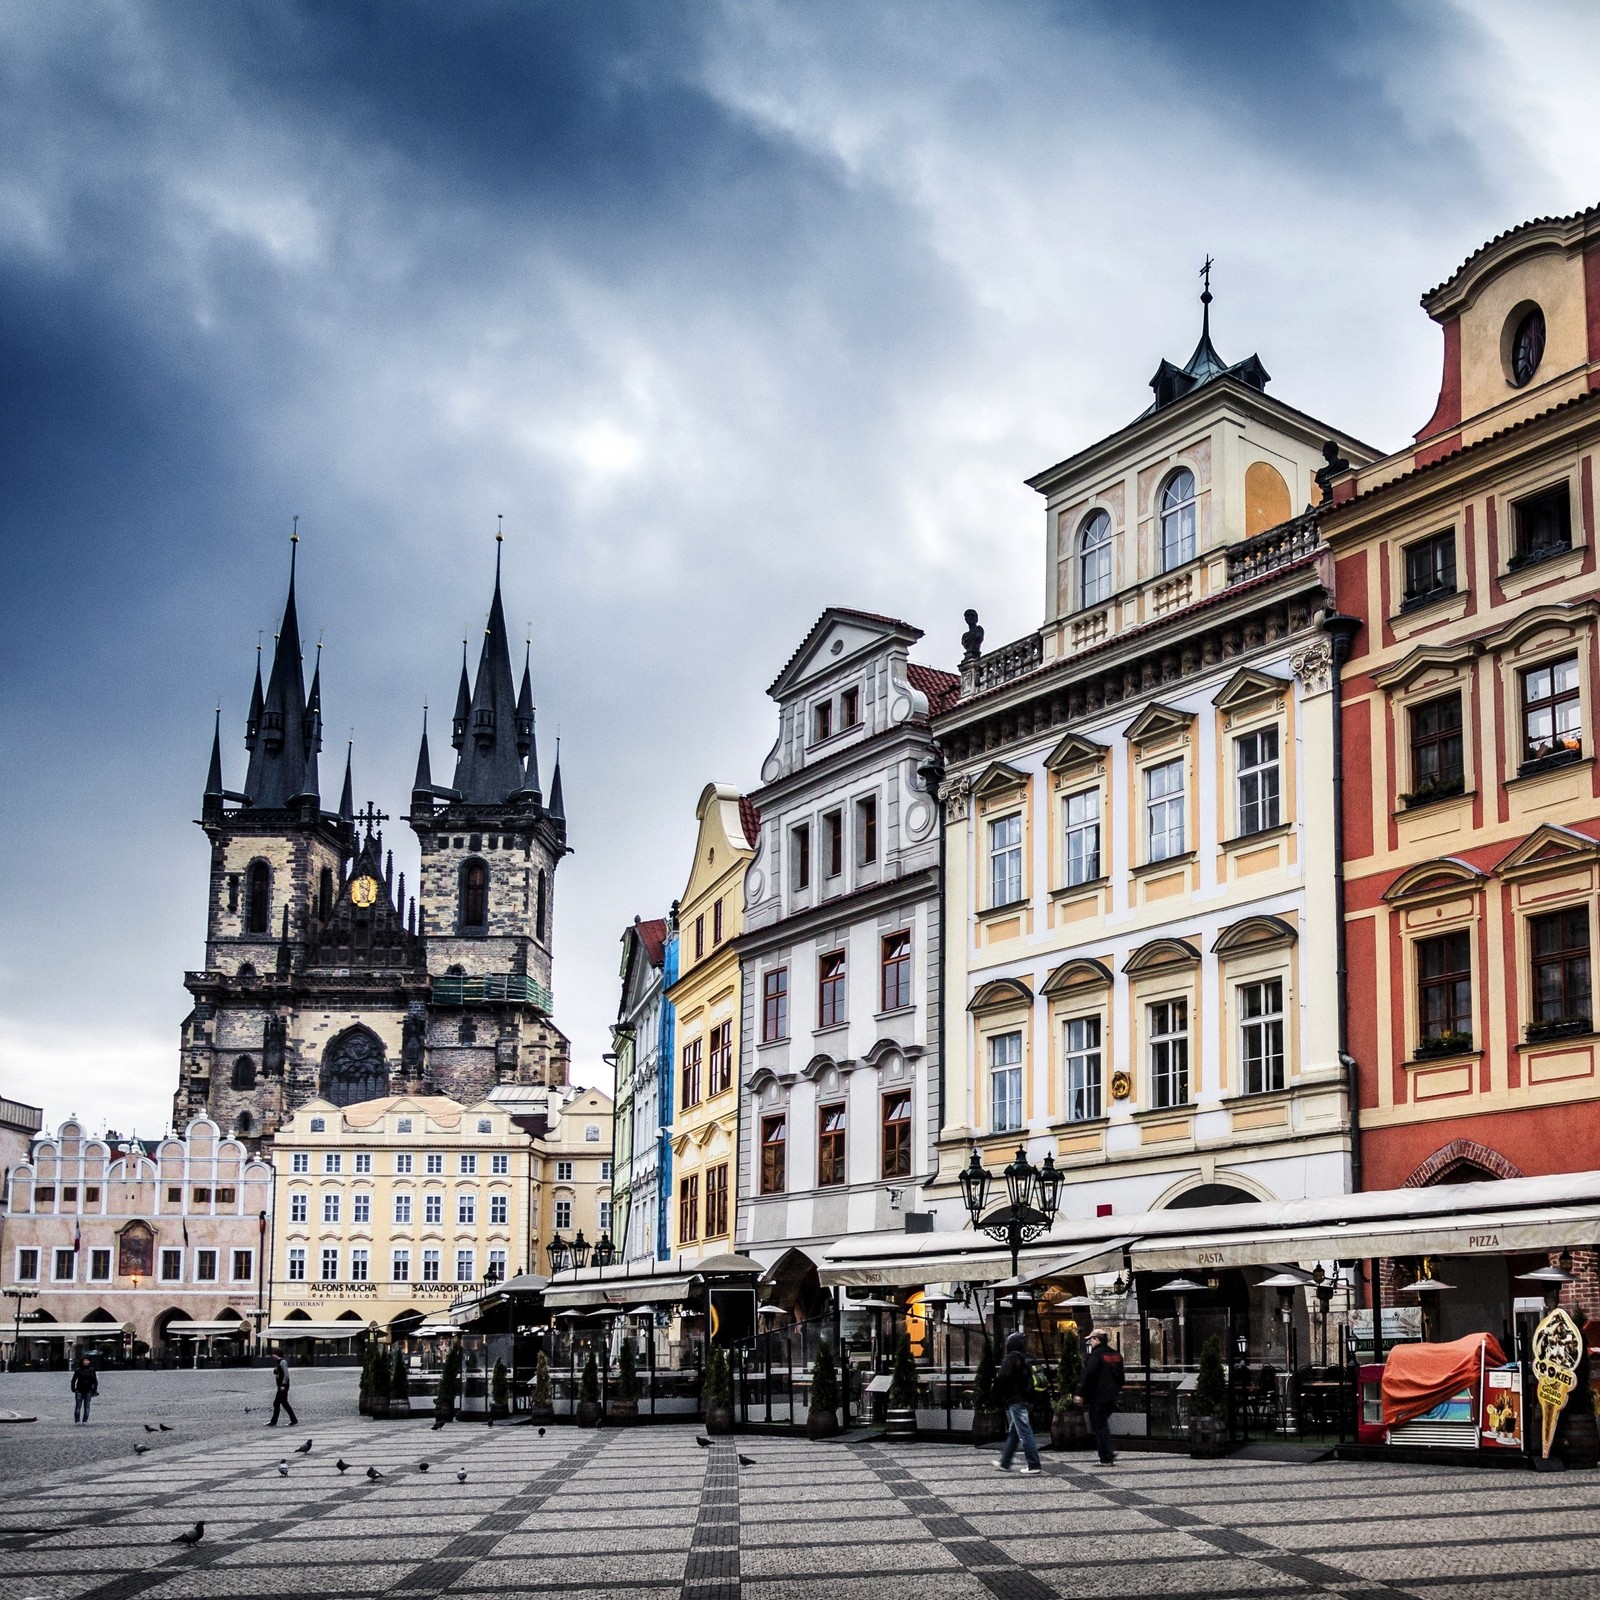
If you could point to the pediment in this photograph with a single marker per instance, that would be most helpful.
(1448, 658)
(1074, 751)
(820, 1063)
(1001, 994)
(1246, 687)
(1444, 876)
(838, 636)
(1560, 618)
(1155, 722)
(1160, 954)
(763, 1078)
(998, 778)
(1549, 845)
(885, 1050)
(1254, 933)
(1082, 973)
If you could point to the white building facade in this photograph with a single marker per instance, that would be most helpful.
(637, 1035)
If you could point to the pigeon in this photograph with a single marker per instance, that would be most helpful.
(283, 1468)
(438, 1423)
(163, 1427)
(342, 1465)
(705, 1444)
(747, 1461)
(141, 1449)
(461, 1474)
(373, 1474)
(303, 1449)
(541, 1433)
(193, 1536)
(422, 1466)
(148, 1428)
(491, 1422)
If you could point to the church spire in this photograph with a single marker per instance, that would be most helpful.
(527, 741)
(252, 724)
(312, 731)
(558, 808)
(489, 767)
(458, 723)
(278, 762)
(211, 805)
(347, 802)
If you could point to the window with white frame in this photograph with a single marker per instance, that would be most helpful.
(1169, 1053)
(1261, 1035)
(1082, 814)
(402, 1208)
(300, 1161)
(563, 1172)
(500, 1165)
(1005, 1082)
(1164, 805)
(400, 1266)
(100, 1265)
(497, 1266)
(363, 1161)
(66, 1265)
(1082, 1056)
(359, 1263)
(468, 1165)
(297, 1264)
(499, 1208)
(1005, 860)
(361, 1206)
(1177, 520)
(332, 1161)
(1094, 559)
(27, 1266)
(563, 1215)
(244, 1265)
(299, 1206)
(465, 1270)
(466, 1208)
(205, 1266)
(402, 1162)
(605, 1172)
(1256, 776)
(330, 1207)
(330, 1263)
(433, 1208)
(436, 1164)
(605, 1216)
(430, 1266)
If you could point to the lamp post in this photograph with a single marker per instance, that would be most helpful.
(19, 1294)
(605, 1253)
(560, 1254)
(1033, 1197)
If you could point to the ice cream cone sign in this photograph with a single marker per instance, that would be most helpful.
(1557, 1348)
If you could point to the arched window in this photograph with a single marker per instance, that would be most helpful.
(541, 905)
(258, 898)
(244, 1072)
(475, 895)
(243, 1123)
(1094, 560)
(325, 894)
(1177, 520)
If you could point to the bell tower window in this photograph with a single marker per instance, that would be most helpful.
(325, 894)
(258, 898)
(474, 896)
(244, 1072)
(541, 906)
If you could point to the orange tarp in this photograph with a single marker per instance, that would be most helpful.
(1416, 1377)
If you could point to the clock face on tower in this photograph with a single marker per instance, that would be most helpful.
(364, 892)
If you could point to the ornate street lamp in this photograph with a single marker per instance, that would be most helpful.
(1033, 1196)
(560, 1254)
(605, 1253)
(580, 1251)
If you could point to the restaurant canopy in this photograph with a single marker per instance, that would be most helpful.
(314, 1330)
(66, 1330)
(222, 1327)
(1493, 1218)
(619, 1288)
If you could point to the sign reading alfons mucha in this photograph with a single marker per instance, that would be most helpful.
(1557, 1350)
(325, 1296)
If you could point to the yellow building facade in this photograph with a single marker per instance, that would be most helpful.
(572, 1171)
(706, 1003)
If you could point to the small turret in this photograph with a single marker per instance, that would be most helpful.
(252, 723)
(558, 807)
(347, 803)
(525, 708)
(458, 723)
(211, 804)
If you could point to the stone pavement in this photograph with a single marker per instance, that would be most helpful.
(645, 1514)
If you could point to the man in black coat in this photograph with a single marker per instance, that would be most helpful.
(1102, 1383)
(1013, 1389)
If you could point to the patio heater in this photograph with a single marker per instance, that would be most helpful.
(1428, 1289)
(1286, 1283)
(1324, 1286)
(1180, 1289)
(1033, 1197)
(1551, 1281)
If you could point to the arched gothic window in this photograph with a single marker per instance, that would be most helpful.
(541, 906)
(244, 1072)
(1177, 520)
(474, 895)
(258, 898)
(1094, 560)
(244, 1122)
(354, 1068)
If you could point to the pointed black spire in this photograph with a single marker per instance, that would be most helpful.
(312, 738)
(489, 768)
(525, 705)
(253, 721)
(458, 723)
(211, 805)
(558, 809)
(347, 800)
(423, 782)
(278, 762)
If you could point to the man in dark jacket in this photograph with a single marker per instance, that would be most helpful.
(1013, 1392)
(85, 1386)
(280, 1398)
(1102, 1383)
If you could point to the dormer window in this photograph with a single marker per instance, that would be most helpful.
(1527, 346)
(1177, 520)
(822, 722)
(1094, 560)
(850, 709)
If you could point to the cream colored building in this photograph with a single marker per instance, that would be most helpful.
(387, 1210)
(1140, 886)
(572, 1171)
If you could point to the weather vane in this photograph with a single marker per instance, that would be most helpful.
(1205, 273)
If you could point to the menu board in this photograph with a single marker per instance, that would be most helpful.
(1500, 1420)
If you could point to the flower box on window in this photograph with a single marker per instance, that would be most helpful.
(1443, 1044)
(1558, 1028)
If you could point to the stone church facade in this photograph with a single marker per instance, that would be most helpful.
(321, 978)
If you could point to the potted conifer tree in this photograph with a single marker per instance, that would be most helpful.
(716, 1393)
(822, 1420)
(625, 1395)
(499, 1391)
(988, 1421)
(542, 1407)
(589, 1408)
(399, 1386)
(444, 1403)
(900, 1417)
(1208, 1427)
(1069, 1429)
(364, 1399)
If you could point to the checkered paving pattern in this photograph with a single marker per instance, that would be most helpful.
(648, 1514)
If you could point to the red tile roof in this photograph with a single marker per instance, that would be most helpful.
(750, 819)
(940, 688)
(653, 936)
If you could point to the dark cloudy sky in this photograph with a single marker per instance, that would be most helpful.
(733, 310)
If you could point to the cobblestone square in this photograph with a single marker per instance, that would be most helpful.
(648, 1512)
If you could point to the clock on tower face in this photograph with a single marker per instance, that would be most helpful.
(364, 892)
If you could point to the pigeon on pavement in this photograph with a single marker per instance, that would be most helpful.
(141, 1449)
(422, 1466)
(438, 1423)
(461, 1474)
(541, 1433)
(747, 1461)
(193, 1536)
(148, 1428)
(373, 1474)
(283, 1467)
(342, 1465)
(303, 1449)
(705, 1444)
(163, 1427)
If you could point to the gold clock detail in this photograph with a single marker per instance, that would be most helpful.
(364, 892)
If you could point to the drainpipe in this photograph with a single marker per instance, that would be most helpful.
(1341, 632)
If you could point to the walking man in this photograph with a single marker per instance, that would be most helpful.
(1013, 1388)
(85, 1386)
(280, 1399)
(1102, 1383)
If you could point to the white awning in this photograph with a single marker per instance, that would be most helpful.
(1103, 1257)
(62, 1330)
(206, 1330)
(314, 1330)
(431, 1329)
(616, 1293)
(905, 1259)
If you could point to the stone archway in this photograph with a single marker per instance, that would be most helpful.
(1462, 1161)
(354, 1068)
